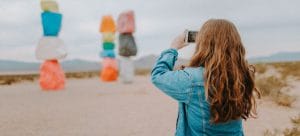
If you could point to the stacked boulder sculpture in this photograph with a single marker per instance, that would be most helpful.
(127, 45)
(109, 72)
(50, 48)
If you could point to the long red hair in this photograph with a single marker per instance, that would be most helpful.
(229, 82)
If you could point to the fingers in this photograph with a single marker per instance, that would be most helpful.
(179, 42)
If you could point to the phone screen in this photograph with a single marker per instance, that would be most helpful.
(191, 36)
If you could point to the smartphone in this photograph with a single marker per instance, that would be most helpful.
(190, 36)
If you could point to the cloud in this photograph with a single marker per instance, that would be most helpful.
(266, 27)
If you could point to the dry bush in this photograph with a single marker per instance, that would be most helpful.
(142, 72)
(294, 131)
(288, 69)
(8, 81)
(283, 99)
(271, 84)
(79, 75)
(261, 68)
(273, 87)
(296, 120)
(11, 79)
(271, 133)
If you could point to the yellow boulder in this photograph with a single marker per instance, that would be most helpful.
(49, 5)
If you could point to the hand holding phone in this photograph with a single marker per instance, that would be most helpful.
(178, 42)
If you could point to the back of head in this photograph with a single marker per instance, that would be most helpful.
(229, 85)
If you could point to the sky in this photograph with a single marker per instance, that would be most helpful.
(266, 26)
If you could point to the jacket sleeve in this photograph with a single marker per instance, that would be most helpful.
(173, 83)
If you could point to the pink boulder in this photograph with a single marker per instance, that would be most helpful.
(52, 76)
(126, 23)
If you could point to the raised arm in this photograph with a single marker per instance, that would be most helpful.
(174, 83)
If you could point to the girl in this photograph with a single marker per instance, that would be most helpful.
(215, 92)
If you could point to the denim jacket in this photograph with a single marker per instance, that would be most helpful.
(187, 87)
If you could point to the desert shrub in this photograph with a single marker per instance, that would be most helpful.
(79, 75)
(142, 72)
(271, 84)
(271, 133)
(296, 120)
(273, 88)
(8, 81)
(283, 99)
(294, 131)
(288, 69)
(11, 79)
(261, 68)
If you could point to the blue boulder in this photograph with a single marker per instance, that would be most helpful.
(107, 54)
(51, 23)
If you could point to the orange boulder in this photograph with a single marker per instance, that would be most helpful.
(52, 76)
(109, 70)
(107, 24)
(109, 74)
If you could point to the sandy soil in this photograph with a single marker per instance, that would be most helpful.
(89, 107)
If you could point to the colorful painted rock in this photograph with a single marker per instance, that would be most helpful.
(126, 23)
(51, 23)
(49, 5)
(109, 74)
(50, 48)
(126, 70)
(109, 70)
(108, 46)
(52, 76)
(107, 24)
(108, 37)
(109, 62)
(107, 54)
(127, 45)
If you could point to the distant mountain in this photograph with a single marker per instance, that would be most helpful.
(146, 62)
(68, 65)
(80, 65)
(278, 57)
(12, 66)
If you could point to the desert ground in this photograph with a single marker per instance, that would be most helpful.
(89, 107)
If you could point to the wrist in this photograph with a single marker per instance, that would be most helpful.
(174, 48)
(171, 50)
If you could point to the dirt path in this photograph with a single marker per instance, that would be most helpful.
(89, 107)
